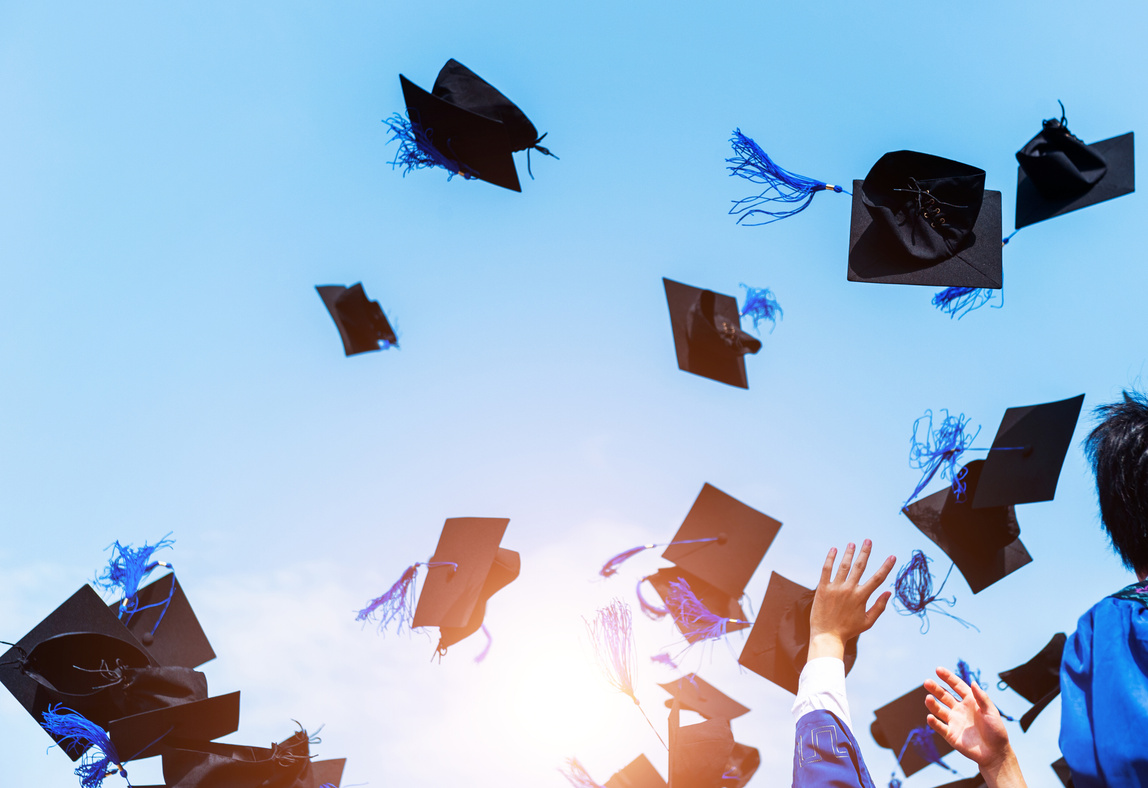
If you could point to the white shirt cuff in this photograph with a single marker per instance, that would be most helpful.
(822, 686)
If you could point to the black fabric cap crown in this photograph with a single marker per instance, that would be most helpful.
(1058, 162)
(707, 333)
(460, 86)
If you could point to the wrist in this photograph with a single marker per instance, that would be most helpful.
(1003, 771)
(826, 644)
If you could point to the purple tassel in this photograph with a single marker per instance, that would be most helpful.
(968, 675)
(913, 591)
(939, 451)
(76, 733)
(761, 305)
(127, 568)
(652, 611)
(397, 605)
(576, 774)
(489, 642)
(613, 637)
(695, 619)
(610, 568)
(921, 740)
(664, 659)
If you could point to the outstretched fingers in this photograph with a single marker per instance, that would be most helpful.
(955, 681)
(827, 569)
(879, 576)
(846, 563)
(874, 612)
(859, 565)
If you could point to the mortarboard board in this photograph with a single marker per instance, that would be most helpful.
(329, 772)
(920, 219)
(1060, 766)
(1023, 465)
(639, 773)
(707, 333)
(171, 632)
(778, 645)
(145, 735)
(1038, 680)
(696, 694)
(983, 543)
(714, 599)
(361, 322)
(467, 567)
(215, 765)
(896, 723)
(743, 764)
(699, 754)
(469, 127)
(742, 535)
(1059, 173)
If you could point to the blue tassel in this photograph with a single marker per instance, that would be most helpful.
(396, 605)
(652, 611)
(893, 781)
(576, 774)
(761, 305)
(486, 650)
(940, 450)
(127, 568)
(921, 740)
(695, 619)
(664, 659)
(610, 568)
(959, 301)
(76, 733)
(970, 677)
(752, 163)
(913, 591)
(417, 150)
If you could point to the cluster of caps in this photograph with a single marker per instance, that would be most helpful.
(132, 686)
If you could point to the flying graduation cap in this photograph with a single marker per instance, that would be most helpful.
(465, 126)
(694, 693)
(778, 645)
(467, 568)
(902, 726)
(699, 754)
(639, 773)
(708, 338)
(286, 764)
(917, 219)
(1038, 680)
(1059, 173)
(362, 325)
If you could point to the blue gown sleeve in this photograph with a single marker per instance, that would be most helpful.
(825, 754)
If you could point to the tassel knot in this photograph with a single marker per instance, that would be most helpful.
(940, 450)
(127, 568)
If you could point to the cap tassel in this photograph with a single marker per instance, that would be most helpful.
(939, 451)
(664, 659)
(761, 305)
(397, 604)
(486, 649)
(78, 734)
(576, 774)
(921, 740)
(127, 568)
(782, 186)
(610, 568)
(695, 619)
(893, 781)
(417, 151)
(959, 301)
(652, 611)
(913, 591)
(540, 149)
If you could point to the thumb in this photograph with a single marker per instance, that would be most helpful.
(874, 613)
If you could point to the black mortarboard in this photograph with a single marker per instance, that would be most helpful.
(699, 754)
(361, 322)
(639, 773)
(1059, 173)
(715, 600)
(453, 595)
(471, 125)
(1038, 680)
(215, 765)
(924, 220)
(778, 645)
(743, 764)
(983, 543)
(144, 735)
(178, 639)
(898, 720)
(1060, 766)
(329, 771)
(696, 694)
(743, 535)
(1023, 465)
(707, 333)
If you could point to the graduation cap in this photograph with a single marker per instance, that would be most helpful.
(639, 773)
(1060, 766)
(983, 543)
(694, 693)
(328, 772)
(166, 625)
(707, 333)
(727, 614)
(467, 567)
(1038, 680)
(464, 125)
(361, 322)
(1024, 462)
(902, 726)
(778, 645)
(743, 764)
(920, 219)
(699, 754)
(286, 764)
(1059, 173)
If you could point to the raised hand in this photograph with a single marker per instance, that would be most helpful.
(840, 605)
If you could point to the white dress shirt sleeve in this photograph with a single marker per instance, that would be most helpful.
(822, 686)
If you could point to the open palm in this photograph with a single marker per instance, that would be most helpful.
(972, 725)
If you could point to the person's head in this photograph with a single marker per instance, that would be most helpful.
(1118, 451)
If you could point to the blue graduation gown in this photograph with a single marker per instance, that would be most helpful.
(1104, 693)
(825, 754)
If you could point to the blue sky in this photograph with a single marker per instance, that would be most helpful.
(176, 178)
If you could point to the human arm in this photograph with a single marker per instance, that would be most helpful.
(973, 727)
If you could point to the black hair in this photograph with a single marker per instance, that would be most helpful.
(1118, 451)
